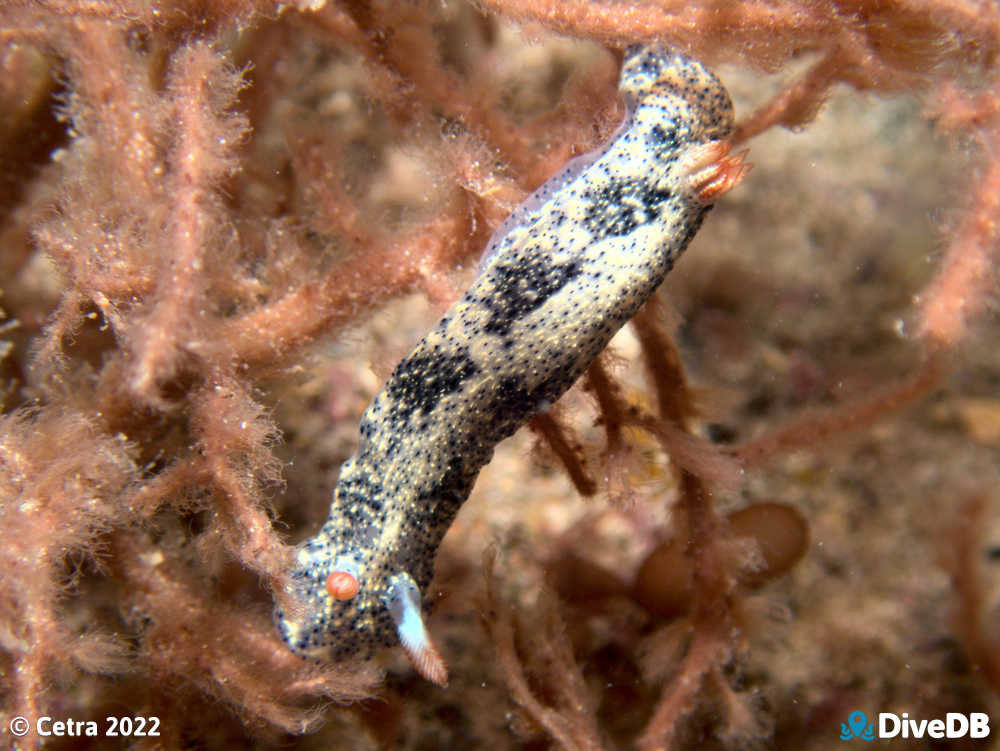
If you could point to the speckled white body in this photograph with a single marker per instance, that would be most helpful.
(559, 278)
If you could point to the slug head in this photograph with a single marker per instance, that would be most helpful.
(339, 606)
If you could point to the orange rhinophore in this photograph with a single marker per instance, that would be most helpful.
(342, 585)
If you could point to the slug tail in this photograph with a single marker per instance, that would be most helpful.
(403, 602)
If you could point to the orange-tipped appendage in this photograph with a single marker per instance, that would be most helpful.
(428, 662)
(713, 172)
(341, 585)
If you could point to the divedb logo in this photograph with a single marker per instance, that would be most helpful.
(954, 725)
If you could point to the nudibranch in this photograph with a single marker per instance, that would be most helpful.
(560, 276)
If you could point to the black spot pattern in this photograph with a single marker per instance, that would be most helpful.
(616, 209)
(569, 268)
(422, 379)
(527, 283)
(662, 141)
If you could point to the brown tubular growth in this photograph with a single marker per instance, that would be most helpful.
(173, 250)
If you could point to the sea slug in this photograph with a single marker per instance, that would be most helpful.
(561, 275)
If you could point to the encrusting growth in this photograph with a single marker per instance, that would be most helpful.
(567, 269)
